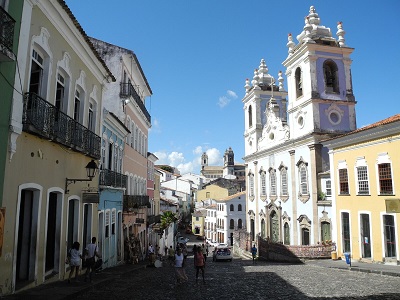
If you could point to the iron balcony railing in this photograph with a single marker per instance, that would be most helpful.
(7, 24)
(114, 179)
(136, 201)
(153, 219)
(128, 90)
(45, 120)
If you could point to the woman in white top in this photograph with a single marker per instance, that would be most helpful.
(181, 276)
(75, 260)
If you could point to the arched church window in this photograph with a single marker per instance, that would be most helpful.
(299, 83)
(331, 77)
(250, 116)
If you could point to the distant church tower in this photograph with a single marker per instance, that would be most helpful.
(204, 160)
(229, 162)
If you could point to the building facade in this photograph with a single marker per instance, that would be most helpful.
(230, 216)
(365, 172)
(126, 99)
(286, 164)
(54, 134)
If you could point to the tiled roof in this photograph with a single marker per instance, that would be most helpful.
(386, 121)
(233, 196)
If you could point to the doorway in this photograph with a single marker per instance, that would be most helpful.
(365, 236)
(53, 237)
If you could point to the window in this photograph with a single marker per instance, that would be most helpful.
(250, 116)
(331, 77)
(240, 224)
(113, 222)
(303, 180)
(240, 207)
(272, 182)
(284, 183)
(346, 232)
(231, 224)
(91, 122)
(107, 225)
(60, 89)
(328, 188)
(36, 77)
(263, 228)
(77, 106)
(263, 184)
(362, 180)
(385, 179)
(207, 195)
(343, 182)
(231, 207)
(299, 83)
(251, 185)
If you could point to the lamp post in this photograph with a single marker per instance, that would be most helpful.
(91, 169)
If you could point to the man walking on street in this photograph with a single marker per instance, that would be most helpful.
(91, 253)
(254, 253)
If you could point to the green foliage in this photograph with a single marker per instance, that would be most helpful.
(167, 168)
(167, 218)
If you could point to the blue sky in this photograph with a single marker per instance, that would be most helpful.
(196, 56)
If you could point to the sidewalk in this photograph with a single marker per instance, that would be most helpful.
(63, 290)
(376, 268)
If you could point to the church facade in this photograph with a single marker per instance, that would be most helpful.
(287, 167)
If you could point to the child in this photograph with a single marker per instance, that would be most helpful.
(75, 260)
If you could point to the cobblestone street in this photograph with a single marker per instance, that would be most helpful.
(240, 279)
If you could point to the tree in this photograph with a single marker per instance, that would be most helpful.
(167, 218)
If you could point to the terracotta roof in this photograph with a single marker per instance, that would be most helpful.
(232, 196)
(386, 121)
(85, 36)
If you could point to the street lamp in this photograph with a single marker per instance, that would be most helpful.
(91, 169)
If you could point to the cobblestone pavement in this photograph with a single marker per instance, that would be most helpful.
(240, 279)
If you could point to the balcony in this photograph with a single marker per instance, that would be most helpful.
(7, 24)
(44, 120)
(154, 219)
(111, 178)
(128, 90)
(136, 201)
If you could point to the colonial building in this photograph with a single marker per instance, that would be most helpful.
(230, 216)
(126, 99)
(54, 134)
(365, 173)
(229, 170)
(286, 163)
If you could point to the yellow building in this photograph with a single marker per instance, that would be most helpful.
(218, 189)
(365, 172)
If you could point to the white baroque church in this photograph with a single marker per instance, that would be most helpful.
(287, 174)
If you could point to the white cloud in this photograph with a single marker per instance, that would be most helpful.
(198, 150)
(225, 100)
(214, 157)
(155, 126)
(232, 94)
(176, 158)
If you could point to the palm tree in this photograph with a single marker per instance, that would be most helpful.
(167, 218)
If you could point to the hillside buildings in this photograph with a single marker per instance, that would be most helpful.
(287, 165)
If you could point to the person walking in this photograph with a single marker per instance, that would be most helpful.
(74, 260)
(204, 251)
(199, 263)
(91, 253)
(181, 276)
(254, 253)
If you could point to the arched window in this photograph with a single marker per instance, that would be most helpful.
(231, 224)
(272, 182)
(299, 83)
(263, 184)
(263, 228)
(250, 116)
(240, 207)
(240, 224)
(251, 185)
(231, 207)
(331, 77)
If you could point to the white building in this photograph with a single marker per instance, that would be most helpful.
(286, 164)
(211, 222)
(230, 216)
